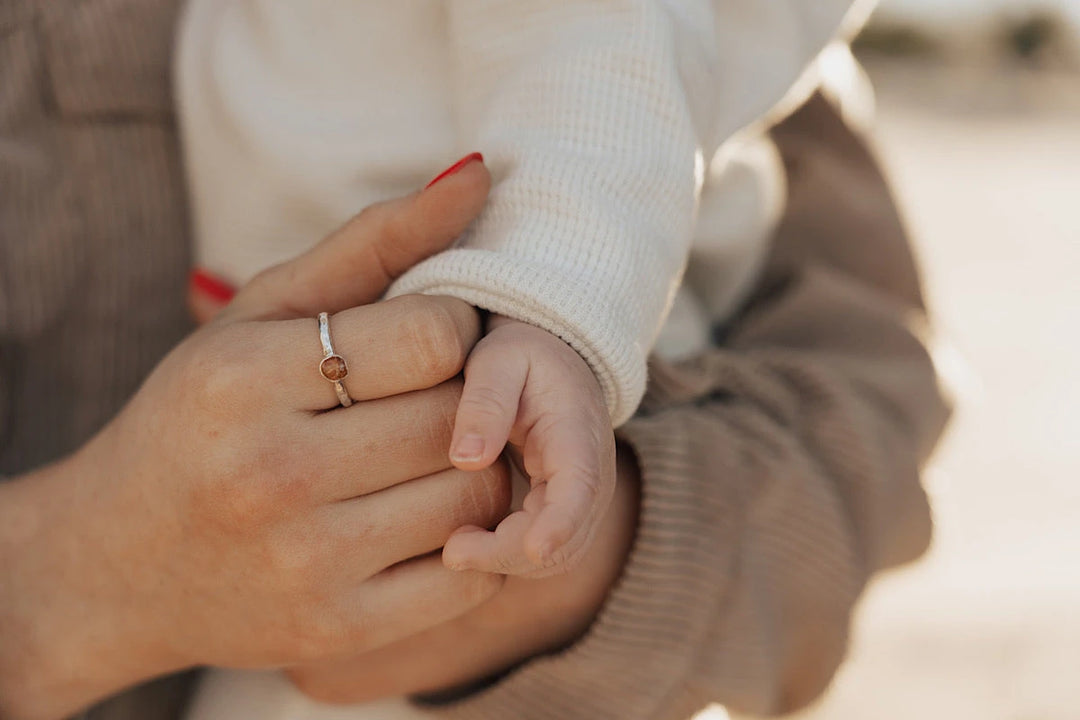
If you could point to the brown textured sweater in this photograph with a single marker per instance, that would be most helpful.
(780, 469)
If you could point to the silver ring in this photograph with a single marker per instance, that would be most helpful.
(333, 367)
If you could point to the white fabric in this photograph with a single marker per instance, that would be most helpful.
(602, 122)
(725, 255)
(596, 118)
(746, 174)
(268, 695)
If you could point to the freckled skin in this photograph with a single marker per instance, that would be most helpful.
(224, 462)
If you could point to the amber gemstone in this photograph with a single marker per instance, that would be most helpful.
(333, 368)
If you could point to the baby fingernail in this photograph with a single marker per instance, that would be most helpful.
(470, 447)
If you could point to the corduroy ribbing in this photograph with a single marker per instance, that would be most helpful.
(91, 286)
(766, 466)
(778, 473)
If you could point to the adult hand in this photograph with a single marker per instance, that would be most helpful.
(524, 619)
(230, 515)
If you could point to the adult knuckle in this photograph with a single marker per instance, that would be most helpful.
(217, 391)
(447, 339)
(375, 256)
(197, 376)
(401, 223)
(268, 277)
(217, 378)
(438, 347)
(372, 215)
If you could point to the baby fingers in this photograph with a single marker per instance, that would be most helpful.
(524, 384)
(571, 450)
(494, 379)
(501, 551)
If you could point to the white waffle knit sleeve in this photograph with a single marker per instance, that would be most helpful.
(596, 119)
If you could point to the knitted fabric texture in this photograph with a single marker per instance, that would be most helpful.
(597, 119)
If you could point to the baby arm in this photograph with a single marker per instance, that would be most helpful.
(526, 386)
(597, 119)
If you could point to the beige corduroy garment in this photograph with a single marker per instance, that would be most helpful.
(780, 469)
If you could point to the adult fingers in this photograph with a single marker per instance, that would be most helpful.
(374, 445)
(408, 343)
(414, 518)
(356, 264)
(524, 619)
(414, 596)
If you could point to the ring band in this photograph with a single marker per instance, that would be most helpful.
(333, 367)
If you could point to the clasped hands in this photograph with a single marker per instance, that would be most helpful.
(226, 518)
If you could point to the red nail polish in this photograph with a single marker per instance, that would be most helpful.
(471, 157)
(211, 286)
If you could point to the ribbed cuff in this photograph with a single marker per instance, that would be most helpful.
(602, 330)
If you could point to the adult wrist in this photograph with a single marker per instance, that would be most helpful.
(63, 645)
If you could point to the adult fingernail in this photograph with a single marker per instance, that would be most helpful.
(468, 449)
(211, 286)
(470, 158)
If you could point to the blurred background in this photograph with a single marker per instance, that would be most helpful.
(978, 123)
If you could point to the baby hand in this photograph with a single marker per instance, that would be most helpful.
(527, 386)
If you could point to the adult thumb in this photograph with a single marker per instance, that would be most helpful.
(356, 264)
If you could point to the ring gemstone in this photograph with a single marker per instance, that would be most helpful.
(333, 368)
